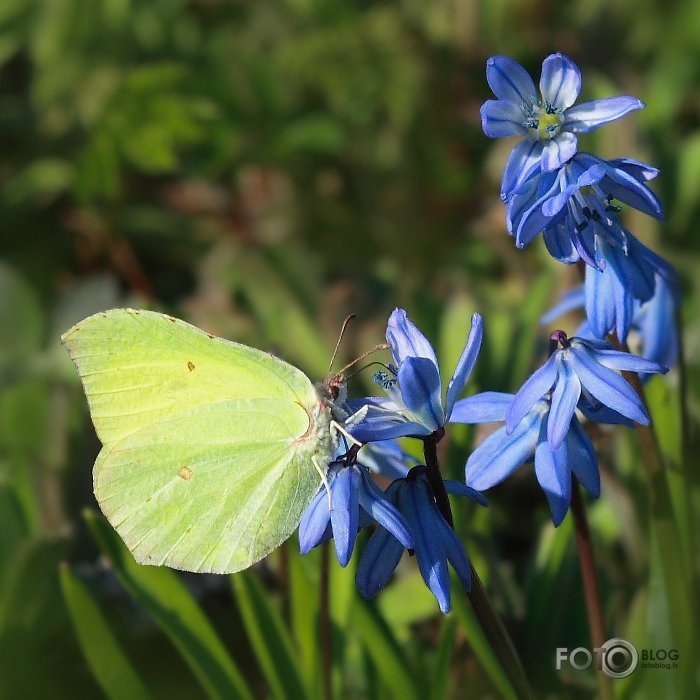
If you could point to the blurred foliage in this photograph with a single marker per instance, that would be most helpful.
(263, 169)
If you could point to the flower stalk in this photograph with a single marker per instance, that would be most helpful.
(491, 623)
(589, 578)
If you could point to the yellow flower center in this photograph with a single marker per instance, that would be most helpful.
(545, 124)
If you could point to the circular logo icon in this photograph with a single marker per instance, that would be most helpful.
(619, 658)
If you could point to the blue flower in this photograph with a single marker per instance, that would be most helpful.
(502, 452)
(573, 206)
(337, 513)
(655, 321)
(577, 367)
(387, 458)
(414, 404)
(548, 121)
(623, 279)
(435, 541)
(607, 296)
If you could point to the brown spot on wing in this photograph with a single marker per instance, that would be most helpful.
(185, 473)
(190, 365)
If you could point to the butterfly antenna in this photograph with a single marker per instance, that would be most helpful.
(367, 366)
(346, 322)
(381, 346)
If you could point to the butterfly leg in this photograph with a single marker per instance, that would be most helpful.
(338, 428)
(322, 473)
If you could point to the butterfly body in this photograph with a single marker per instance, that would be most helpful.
(210, 448)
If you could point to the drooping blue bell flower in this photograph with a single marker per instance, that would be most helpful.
(435, 541)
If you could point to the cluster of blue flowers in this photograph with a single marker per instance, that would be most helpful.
(574, 199)
(571, 198)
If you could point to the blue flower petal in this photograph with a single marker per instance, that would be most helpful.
(380, 402)
(629, 190)
(619, 360)
(560, 81)
(378, 561)
(534, 388)
(559, 244)
(500, 454)
(345, 512)
(387, 458)
(386, 428)
(383, 511)
(564, 399)
(636, 168)
(510, 81)
(457, 488)
(554, 476)
(486, 407)
(465, 364)
(314, 521)
(583, 459)
(454, 550)
(523, 161)
(655, 321)
(598, 413)
(559, 150)
(406, 340)
(607, 386)
(416, 503)
(501, 118)
(590, 115)
(589, 176)
(571, 300)
(530, 222)
(609, 300)
(419, 381)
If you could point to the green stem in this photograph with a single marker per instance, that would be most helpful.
(591, 589)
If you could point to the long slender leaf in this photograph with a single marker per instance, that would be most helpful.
(107, 661)
(165, 597)
(385, 652)
(304, 615)
(269, 638)
(440, 681)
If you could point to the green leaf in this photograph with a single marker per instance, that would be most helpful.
(440, 684)
(107, 661)
(13, 529)
(552, 549)
(269, 638)
(304, 615)
(165, 597)
(386, 654)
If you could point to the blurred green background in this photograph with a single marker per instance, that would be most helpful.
(262, 169)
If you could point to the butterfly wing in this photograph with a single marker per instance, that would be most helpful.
(209, 445)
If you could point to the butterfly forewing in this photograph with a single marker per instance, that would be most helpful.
(209, 445)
